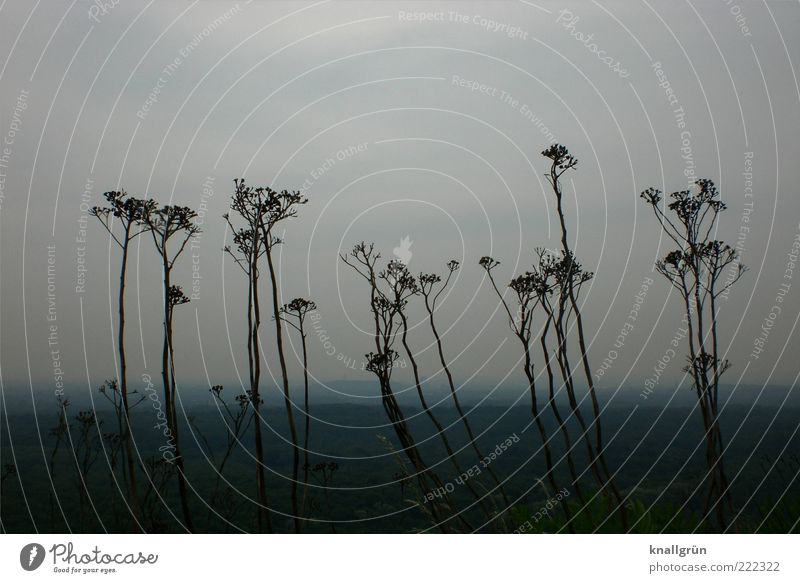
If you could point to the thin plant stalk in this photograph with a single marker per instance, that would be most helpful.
(427, 286)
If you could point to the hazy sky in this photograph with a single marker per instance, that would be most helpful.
(418, 120)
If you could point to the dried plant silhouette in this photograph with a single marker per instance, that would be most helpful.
(323, 473)
(262, 209)
(116, 483)
(294, 313)
(160, 473)
(86, 447)
(84, 442)
(528, 291)
(112, 392)
(172, 225)
(695, 270)
(58, 433)
(280, 207)
(385, 308)
(125, 218)
(549, 282)
(554, 284)
(403, 286)
(561, 162)
(250, 206)
(237, 421)
(8, 473)
(431, 287)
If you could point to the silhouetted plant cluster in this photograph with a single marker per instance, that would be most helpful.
(695, 270)
(542, 306)
(257, 210)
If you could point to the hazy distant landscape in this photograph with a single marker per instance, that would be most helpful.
(656, 450)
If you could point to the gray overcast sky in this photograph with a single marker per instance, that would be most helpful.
(418, 120)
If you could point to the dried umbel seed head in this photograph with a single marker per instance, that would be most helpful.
(299, 306)
(651, 195)
(427, 279)
(130, 210)
(560, 157)
(488, 263)
(382, 363)
(176, 296)
(523, 285)
(247, 398)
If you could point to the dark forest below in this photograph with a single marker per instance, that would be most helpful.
(358, 477)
